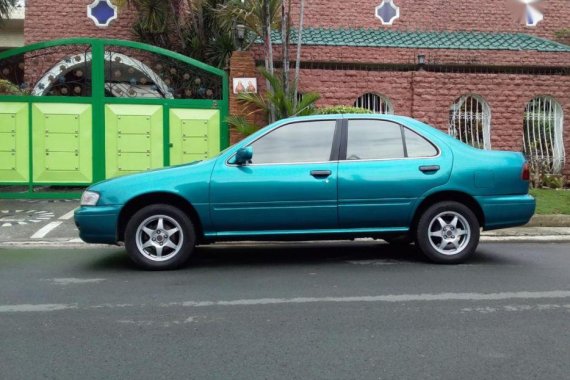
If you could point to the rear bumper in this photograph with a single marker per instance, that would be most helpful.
(97, 224)
(507, 210)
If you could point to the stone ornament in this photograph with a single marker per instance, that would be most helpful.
(102, 12)
(387, 12)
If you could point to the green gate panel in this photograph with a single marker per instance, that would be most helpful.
(62, 143)
(14, 143)
(133, 139)
(194, 135)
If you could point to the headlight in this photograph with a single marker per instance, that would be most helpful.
(89, 198)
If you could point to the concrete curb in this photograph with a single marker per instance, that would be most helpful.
(549, 221)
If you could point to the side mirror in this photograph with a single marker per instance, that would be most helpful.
(244, 155)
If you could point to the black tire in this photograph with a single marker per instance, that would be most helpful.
(148, 258)
(459, 250)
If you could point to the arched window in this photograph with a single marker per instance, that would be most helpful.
(543, 133)
(375, 103)
(470, 121)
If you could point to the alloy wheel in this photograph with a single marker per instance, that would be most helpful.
(449, 233)
(159, 238)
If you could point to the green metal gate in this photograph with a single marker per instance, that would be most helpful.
(77, 111)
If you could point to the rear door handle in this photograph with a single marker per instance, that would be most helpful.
(429, 169)
(321, 173)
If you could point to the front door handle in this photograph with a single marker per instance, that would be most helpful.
(429, 169)
(321, 173)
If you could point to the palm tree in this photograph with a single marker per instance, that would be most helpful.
(277, 99)
(190, 27)
(260, 18)
(6, 7)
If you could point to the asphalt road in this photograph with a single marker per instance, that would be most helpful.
(325, 311)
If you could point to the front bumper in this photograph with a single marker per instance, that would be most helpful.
(506, 211)
(98, 224)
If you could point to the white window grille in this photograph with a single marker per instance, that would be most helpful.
(375, 103)
(470, 121)
(543, 133)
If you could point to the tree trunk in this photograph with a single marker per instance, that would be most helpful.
(285, 31)
(269, 52)
(298, 60)
(176, 19)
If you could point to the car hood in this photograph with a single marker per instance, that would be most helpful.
(172, 179)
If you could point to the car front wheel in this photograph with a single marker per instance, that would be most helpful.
(160, 237)
(448, 232)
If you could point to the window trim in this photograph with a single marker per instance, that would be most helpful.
(334, 151)
(344, 143)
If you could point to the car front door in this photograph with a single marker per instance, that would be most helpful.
(385, 169)
(290, 184)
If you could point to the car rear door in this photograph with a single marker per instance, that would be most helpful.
(291, 183)
(384, 168)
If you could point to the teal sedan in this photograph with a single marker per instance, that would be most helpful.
(319, 177)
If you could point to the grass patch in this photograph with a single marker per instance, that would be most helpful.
(552, 201)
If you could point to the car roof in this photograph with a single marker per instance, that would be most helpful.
(395, 118)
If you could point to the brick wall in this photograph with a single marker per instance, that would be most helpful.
(481, 15)
(53, 19)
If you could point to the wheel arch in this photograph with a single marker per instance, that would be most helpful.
(446, 196)
(138, 202)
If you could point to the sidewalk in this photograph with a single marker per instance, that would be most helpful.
(49, 223)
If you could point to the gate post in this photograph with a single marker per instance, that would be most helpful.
(98, 99)
(242, 65)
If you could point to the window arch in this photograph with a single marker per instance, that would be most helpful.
(470, 121)
(543, 133)
(375, 103)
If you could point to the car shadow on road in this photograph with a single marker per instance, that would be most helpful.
(289, 254)
(302, 253)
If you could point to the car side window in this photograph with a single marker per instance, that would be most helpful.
(417, 146)
(374, 140)
(309, 141)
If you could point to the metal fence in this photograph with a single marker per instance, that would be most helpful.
(77, 111)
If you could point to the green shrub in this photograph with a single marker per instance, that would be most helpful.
(8, 88)
(342, 110)
(554, 181)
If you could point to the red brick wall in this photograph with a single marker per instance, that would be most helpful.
(481, 15)
(53, 19)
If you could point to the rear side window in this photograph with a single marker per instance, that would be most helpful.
(296, 143)
(417, 146)
(374, 140)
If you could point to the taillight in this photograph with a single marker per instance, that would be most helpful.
(526, 172)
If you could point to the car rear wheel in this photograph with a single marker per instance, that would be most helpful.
(160, 237)
(448, 233)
